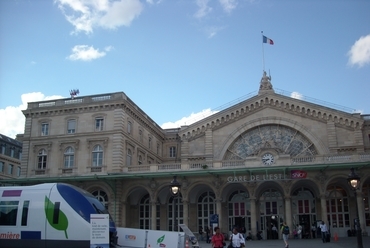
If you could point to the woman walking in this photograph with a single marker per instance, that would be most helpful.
(218, 239)
(237, 240)
(285, 232)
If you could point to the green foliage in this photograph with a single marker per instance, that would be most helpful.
(62, 224)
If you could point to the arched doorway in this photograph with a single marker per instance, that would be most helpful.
(175, 213)
(304, 210)
(271, 213)
(239, 210)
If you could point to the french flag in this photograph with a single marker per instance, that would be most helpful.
(267, 40)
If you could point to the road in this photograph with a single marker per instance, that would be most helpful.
(350, 242)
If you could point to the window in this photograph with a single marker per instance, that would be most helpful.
(20, 155)
(1, 167)
(10, 169)
(337, 207)
(157, 148)
(172, 152)
(41, 159)
(99, 122)
(101, 196)
(8, 213)
(69, 157)
(71, 126)
(141, 136)
(97, 156)
(129, 157)
(129, 126)
(3, 146)
(140, 159)
(19, 171)
(44, 129)
(12, 149)
(25, 213)
(150, 143)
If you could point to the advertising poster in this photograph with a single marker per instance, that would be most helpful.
(99, 231)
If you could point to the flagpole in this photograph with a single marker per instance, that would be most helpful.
(263, 53)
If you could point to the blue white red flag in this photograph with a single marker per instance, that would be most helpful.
(267, 40)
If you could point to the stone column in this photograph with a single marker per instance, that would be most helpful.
(123, 215)
(185, 206)
(324, 213)
(153, 215)
(253, 216)
(361, 212)
(219, 212)
(288, 212)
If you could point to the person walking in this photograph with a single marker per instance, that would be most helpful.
(236, 239)
(285, 232)
(218, 239)
(313, 231)
(324, 231)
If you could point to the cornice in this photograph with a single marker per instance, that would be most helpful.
(277, 102)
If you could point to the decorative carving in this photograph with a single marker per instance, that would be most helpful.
(153, 184)
(184, 184)
(251, 186)
(286, 186)
(321, 177)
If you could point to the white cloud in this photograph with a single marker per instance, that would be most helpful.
(212, 31)
(194, 117)
(228, 5)
(359, 54)
(296, 95)
(12, 118)
(86, 53)
(85, 15)
(203, 9)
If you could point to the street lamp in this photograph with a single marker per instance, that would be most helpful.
(175, 191)
(354, 182)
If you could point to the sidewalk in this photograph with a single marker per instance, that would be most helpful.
(350, 242)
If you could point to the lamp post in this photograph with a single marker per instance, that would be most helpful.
(354, 182)
(175, 191)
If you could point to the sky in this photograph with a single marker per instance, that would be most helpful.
(182, 60)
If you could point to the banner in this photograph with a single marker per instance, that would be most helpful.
(99, 231)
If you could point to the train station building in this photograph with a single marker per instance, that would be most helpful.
(267, 159)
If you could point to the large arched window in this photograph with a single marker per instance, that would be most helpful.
(239, 209)
(366, 196)
(97, 156)
(42, 159)
(69, 157)
(206, 207)
(101, 196)
(337, 207)
(175, 212)
(145, 218)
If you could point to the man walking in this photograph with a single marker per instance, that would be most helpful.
(285, 232)
(324, 231)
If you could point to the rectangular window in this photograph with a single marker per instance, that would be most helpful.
(8, 213)
(2, 167)
(71, 126)
(20, 155)
(172, 152)
(99, 122)
(129, 127)
(2, 148)
(19, 171)
(44, 129)
(10, 169)
(12, 152)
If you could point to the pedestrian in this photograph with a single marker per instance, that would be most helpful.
(236, 239)
(201, 233)
(274, 232)
(218, 239)
(313, 231)
(324, 230)
(299, 231)
(285, 232)
(208, 230)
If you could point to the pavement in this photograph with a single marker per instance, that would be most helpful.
(350, 242)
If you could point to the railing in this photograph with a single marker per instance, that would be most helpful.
(251, 162)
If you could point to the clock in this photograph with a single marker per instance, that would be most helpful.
(268, 159)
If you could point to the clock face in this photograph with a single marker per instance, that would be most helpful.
(268, 159)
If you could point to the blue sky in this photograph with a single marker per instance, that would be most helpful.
(179, 58)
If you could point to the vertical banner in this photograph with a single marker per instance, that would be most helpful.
(99, 230)
(213, 222)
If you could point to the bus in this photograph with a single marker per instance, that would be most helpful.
(48, 215)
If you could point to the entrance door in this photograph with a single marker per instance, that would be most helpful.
(270, 226)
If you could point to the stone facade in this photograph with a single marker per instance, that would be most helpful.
(265, 160)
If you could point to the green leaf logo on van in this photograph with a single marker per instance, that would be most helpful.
(58, 222)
